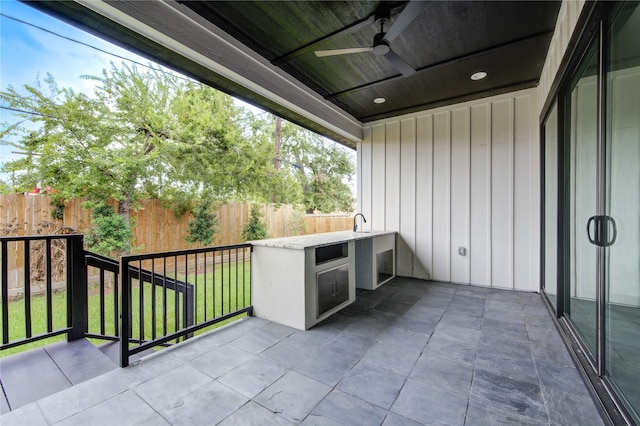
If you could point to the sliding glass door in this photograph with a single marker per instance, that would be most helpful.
(582, 164)
(622, 203)
(592, 202)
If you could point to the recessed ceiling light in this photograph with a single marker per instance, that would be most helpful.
(379, 100)
(479, 75)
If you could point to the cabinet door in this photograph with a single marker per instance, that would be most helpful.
(342, 283)
(333, 288)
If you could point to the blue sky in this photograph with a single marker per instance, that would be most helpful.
(28, 54)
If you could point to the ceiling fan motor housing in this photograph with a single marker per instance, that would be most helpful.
(380, 45)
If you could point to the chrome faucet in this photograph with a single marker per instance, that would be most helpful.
(355, 226)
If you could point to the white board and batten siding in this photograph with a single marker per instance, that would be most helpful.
(465, 176)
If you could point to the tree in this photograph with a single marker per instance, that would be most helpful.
(141, 135)
(296, 224)
(323, 169)
(204, 226)
(5, 188)
(110, 234)
(254, 229)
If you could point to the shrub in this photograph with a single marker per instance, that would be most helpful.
(254, 229)
(110, 233)
(296, 224)
(58, 209)
(204, 227)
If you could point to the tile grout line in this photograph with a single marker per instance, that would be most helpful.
(4, 395)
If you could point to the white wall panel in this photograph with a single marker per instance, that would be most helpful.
(525, 203)
(364, 174)
(423, 259)
(392, 180)
(459, 176)
(502, 194)
(359, 178)
(406, 245)
(442, 196)
(378, 178)
(480, 210)
(460, 193)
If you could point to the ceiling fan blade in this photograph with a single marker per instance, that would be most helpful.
(399, 63)
(408, 14)
(334, 52)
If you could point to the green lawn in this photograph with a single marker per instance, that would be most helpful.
(38, 320)
(226, 297)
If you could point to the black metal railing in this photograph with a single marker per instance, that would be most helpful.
(108, 291)
(172, 295)
(41, 275)
(166, 296)
(102, 278)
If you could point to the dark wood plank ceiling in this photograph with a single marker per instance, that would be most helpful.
(446, 43)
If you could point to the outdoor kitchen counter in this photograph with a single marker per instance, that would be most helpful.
(302, 242)
(300, 281)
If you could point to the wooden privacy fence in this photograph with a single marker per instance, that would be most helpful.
(156, 228)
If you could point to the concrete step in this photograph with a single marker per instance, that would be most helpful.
(112, 350)
(37, 373)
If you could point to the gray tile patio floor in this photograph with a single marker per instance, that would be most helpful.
(412, 352)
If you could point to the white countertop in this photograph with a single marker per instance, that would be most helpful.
(302, 242)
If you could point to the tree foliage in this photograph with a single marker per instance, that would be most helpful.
(296, 224)
(110, 234)
(255, 229)
(323, 169)
(156, 135)
(204, 226)
(141, 135)
(5, 188)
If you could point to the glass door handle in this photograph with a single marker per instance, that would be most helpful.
(591, 219)
(601, 230)
(611, 220)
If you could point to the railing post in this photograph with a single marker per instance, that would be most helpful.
(125, 311)
(189, 294)
(4, 276)
(77, 310)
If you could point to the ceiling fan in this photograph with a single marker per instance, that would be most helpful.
(382, 41)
